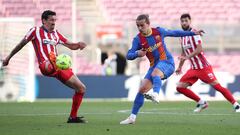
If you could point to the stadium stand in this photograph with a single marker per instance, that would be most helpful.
(34, 8)
(168, 11)
(211, 15)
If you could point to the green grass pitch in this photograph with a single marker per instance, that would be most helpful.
(166, 118)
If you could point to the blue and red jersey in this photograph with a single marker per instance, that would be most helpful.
(154, 44)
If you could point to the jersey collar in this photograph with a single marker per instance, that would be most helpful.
(149, 34)
(45, 29)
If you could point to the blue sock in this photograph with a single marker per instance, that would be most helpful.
(138, 102)
(157, 83)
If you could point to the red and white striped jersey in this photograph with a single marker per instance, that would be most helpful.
(44, 42)
(189, 44)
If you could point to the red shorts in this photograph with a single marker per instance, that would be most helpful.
(61, 75)
(205, 74)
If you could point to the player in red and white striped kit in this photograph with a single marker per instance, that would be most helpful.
(200, 68)
(44, 40)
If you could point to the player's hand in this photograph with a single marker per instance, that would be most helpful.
(141, 53)
(183, 58)
(199, 32)
(82, 45)
(178, 71)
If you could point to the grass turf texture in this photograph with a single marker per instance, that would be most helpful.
(171, 118)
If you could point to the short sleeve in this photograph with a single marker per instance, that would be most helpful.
(197, 39)
(30, 34)
(62, 39)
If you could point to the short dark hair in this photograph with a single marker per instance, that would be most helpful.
(47, 13)
(186, 15)
(145, 17)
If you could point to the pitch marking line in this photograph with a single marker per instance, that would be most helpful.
(163, 112)
(50, 114)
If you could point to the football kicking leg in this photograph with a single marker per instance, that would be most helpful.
(161, 71)
(138, 102)
(157, 74)
(74, 83)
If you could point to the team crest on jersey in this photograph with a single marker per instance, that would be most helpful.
(50, 42)
(158, 38)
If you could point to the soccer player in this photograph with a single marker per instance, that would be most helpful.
(200, 68)
(150, 42)
(45, 39)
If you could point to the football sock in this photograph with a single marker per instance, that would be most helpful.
(157, 83)
(188, 93)
(138, 102)
(226, 93)
(235, 104)
(76, 102)
(133, 116)
(201, 101)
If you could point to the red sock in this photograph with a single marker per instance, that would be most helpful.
(188, 93)
(77, 100)
(226, 93)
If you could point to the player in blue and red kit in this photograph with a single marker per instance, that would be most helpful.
(150, 42)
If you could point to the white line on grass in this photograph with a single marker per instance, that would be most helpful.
(163, 112)
(50, 114)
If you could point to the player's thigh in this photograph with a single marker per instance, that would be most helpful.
(145, 86)
(164, 69)
(76, 84)
(188, 79)
(157, 72)
(46, 68)
(207, 76)
(68, 78)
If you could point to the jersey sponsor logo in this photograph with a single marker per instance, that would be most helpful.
(49, 41)
(154, 47)
(187, 46)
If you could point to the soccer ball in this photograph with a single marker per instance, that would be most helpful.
(63, 61)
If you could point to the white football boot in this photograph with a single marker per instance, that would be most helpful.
(153, 96)
(201, 107)
(127, 121)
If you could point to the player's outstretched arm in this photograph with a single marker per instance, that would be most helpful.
(180, 33)
(75, 46)
(18, 47)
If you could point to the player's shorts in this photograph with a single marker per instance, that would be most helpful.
(61, 75)
(167, 67)
(206, 75)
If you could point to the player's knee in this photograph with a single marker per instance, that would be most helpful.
(214, 83)
(180, 86)
(143, 89)
(179, 89)
(82, 88)
(157, 73)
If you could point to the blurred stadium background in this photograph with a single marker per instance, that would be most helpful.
(108, 26)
